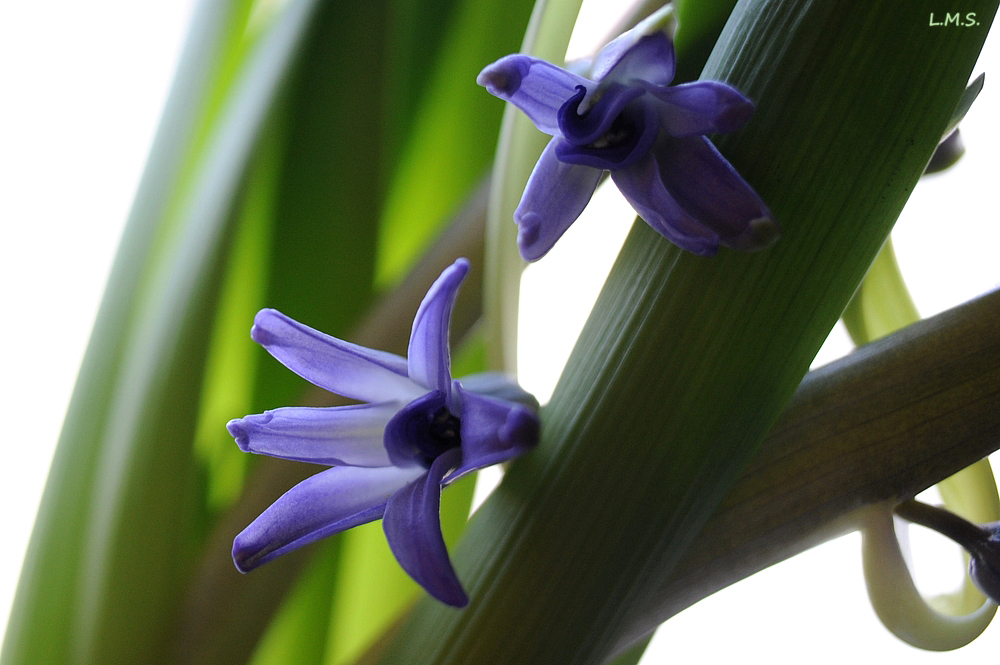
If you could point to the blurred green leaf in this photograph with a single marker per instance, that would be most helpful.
(54, 615)
(291, 638)
(699, 24)
(452, 138)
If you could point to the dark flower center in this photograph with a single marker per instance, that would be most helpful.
(614, 133)
(442, 434)
(422, 431)
(620, 133)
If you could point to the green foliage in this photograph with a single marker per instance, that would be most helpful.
(452, 135)
(689, 360)
(309, 152)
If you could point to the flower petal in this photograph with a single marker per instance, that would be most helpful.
(536, 87)
(499, 386)
(428, 358)
(340, 367)
(636, 56)
(597, 121)
(703, 107)
(642, 187)
(412, 525)
(493, 431)
(631, 136)
(709, 189)
(324, 504)
(554, 197)
(340, 435)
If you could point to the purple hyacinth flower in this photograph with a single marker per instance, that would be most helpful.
(984, 561)
(625, 119)
(416, 431)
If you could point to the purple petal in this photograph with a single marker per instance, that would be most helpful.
(703, 107)
(499, 386)
(631, 135)
(536, 87)
(324, 504)
(340, 367)
(493, 431)
(642, 187)
(596, 121)
(341, 435)
(554, 197)
(412, 525)
(428, 357)
(709, 189)
(634, 57)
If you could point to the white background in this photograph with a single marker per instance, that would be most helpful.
(83, 85)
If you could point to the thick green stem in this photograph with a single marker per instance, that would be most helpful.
(686, 361)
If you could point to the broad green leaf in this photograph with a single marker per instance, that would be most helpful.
(317, 203)
(453, 135)
(879, 425)
(45, 621)
(232, 356)
(964, 104)
(143, 532)
(686, 361)
(291, 638)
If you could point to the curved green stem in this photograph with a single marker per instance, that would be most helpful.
(883, 305)
(896, 600)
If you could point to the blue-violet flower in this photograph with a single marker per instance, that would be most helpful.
(417, 431)
(624, 118)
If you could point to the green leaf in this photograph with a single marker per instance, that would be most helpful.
(882, 304)
(686, 361)
(291, 638)
(699, 24)
(48, 621)
(453, 136)
(964, 104)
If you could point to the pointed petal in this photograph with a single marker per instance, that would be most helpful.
(554, 197)
(428, 357)
(536, 87)
(337, 436)
(703, 107)
(493, 431)
(594, 123)
(709, 189)
(329, 502)
(642, 187)
(412, 525)
(635, 56)
(340, 367)
(499, 386)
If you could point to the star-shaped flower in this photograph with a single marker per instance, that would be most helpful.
(417, 431)
(625, 119)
